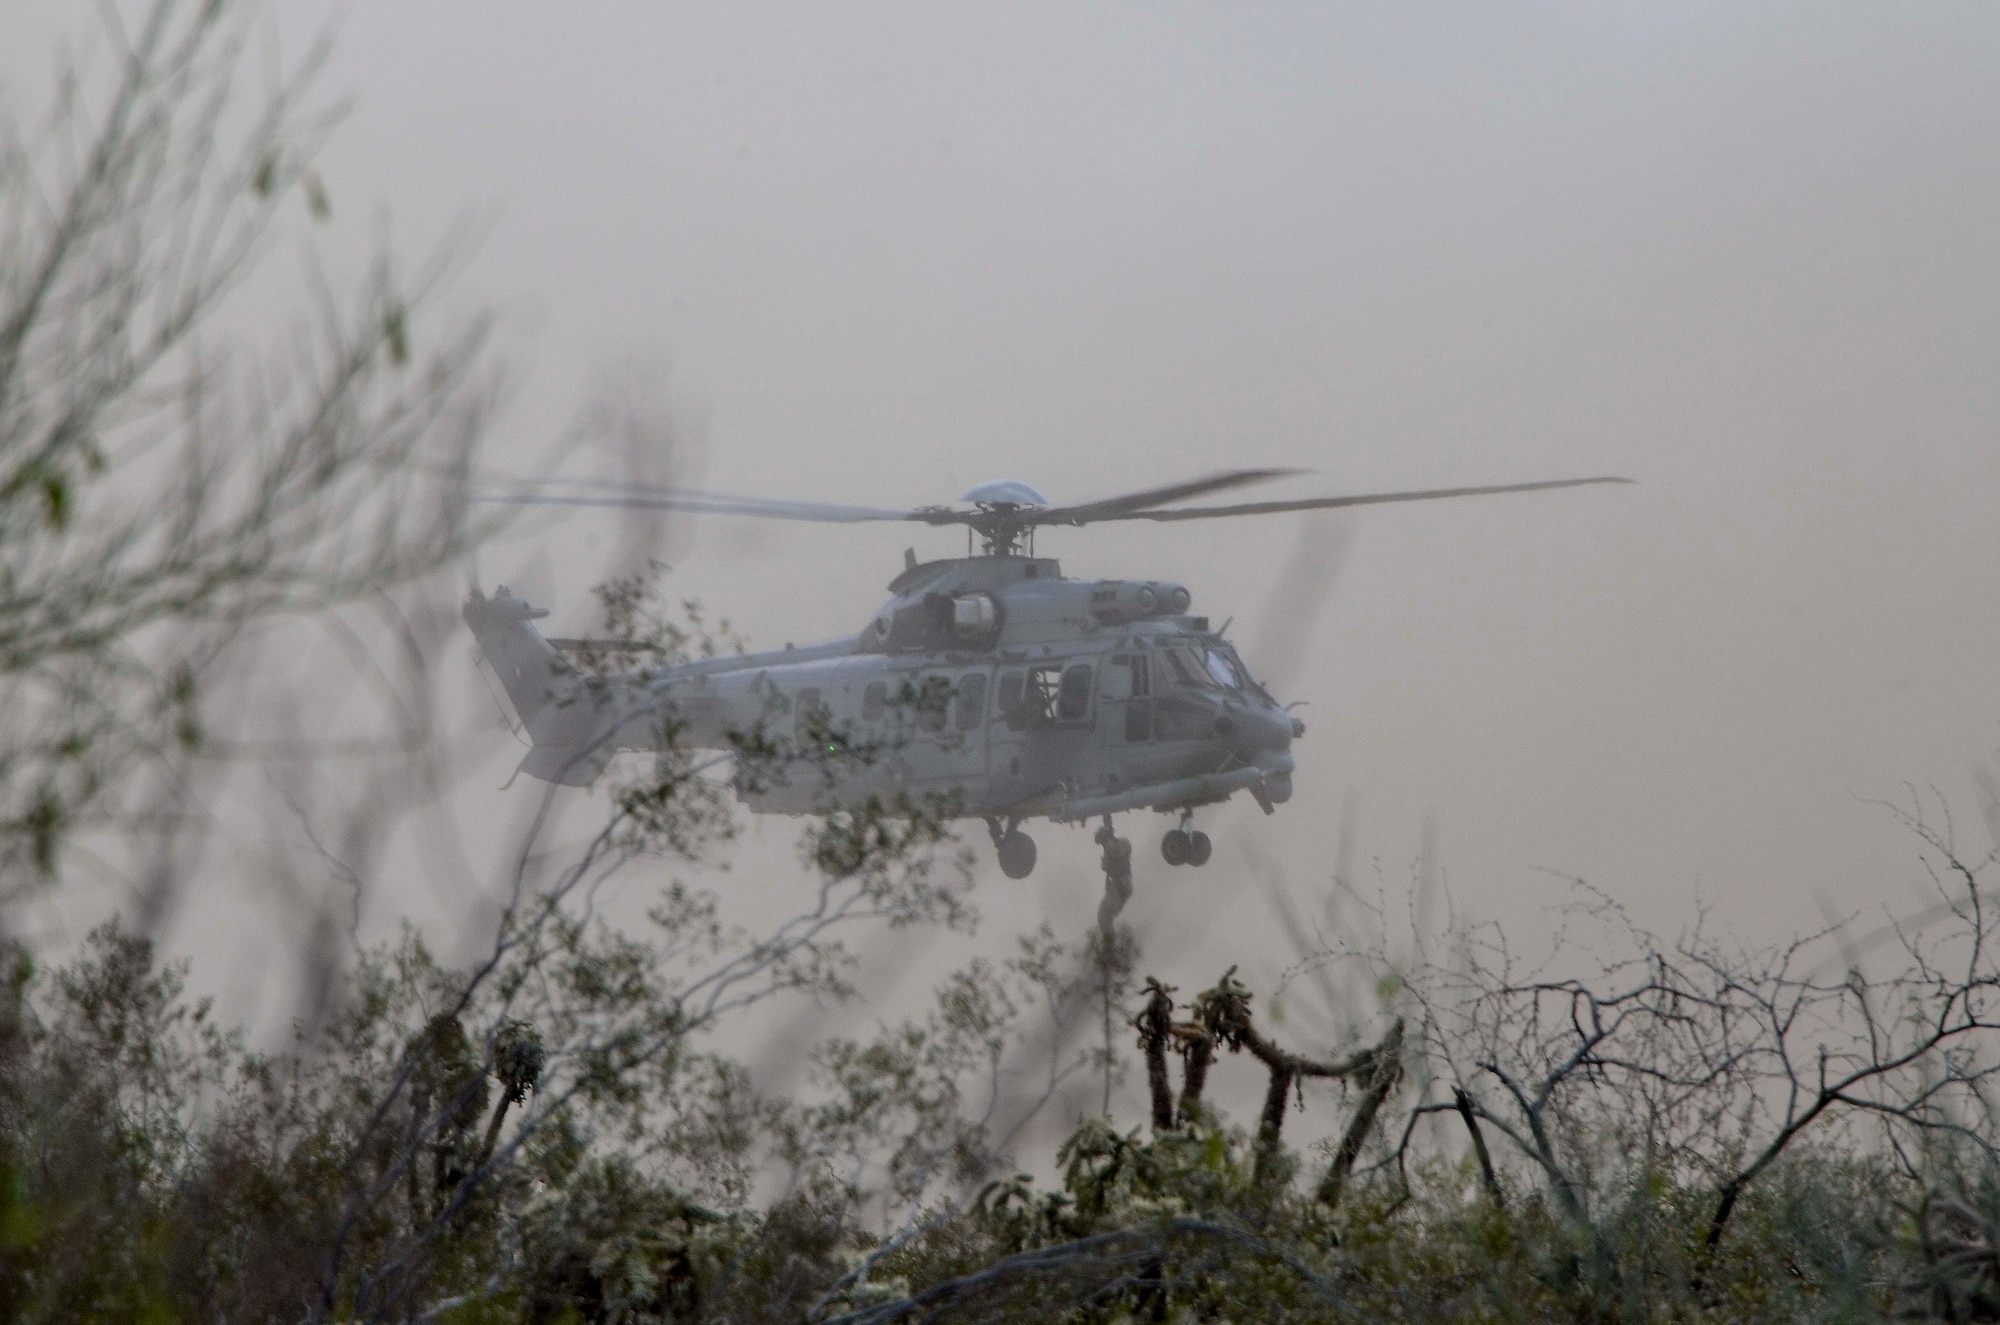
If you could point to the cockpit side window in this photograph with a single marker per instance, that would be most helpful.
(1131, 669)
(1073, 700)
(1186, 671)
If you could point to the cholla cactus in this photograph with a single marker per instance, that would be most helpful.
(1224, 1012)
(1155, 1026)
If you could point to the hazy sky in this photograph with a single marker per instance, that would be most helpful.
(1744, 253)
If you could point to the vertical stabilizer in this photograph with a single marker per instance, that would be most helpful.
(527, 665)
(566, 724)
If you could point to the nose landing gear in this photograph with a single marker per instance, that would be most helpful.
(1016, 849)
(1184, 846)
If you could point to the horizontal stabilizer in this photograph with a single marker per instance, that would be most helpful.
(567, 765)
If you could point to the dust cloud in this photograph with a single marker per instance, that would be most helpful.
(878, 253)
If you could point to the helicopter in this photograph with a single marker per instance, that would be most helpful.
(989, 684)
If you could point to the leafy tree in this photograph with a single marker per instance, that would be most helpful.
(163, 482)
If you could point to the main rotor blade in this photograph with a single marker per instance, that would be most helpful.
(653, 497)
(1365, 499)
(1116, 508)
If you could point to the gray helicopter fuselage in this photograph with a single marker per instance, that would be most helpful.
(989, 685)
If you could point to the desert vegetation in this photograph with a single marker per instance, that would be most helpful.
(558, 1124)
(1685, 1133)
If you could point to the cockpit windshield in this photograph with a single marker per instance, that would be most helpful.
(1201, 668)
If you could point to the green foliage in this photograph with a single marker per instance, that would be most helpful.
(456, 1143)
(543, 1137)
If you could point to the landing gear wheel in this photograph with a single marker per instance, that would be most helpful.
(1199, 849)
(1017, 855)
(1176, 847)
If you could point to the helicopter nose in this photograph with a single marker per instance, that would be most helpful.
(1258, 729)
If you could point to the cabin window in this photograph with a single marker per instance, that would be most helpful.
(806, 715)
(1073, 701)
(874, 701)
(1009, 697)
(1051, 693)
(934, 703)
(1037, 707)
(971, 701)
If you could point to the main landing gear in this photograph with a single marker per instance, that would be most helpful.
(1016, 848)
(1184, 846)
